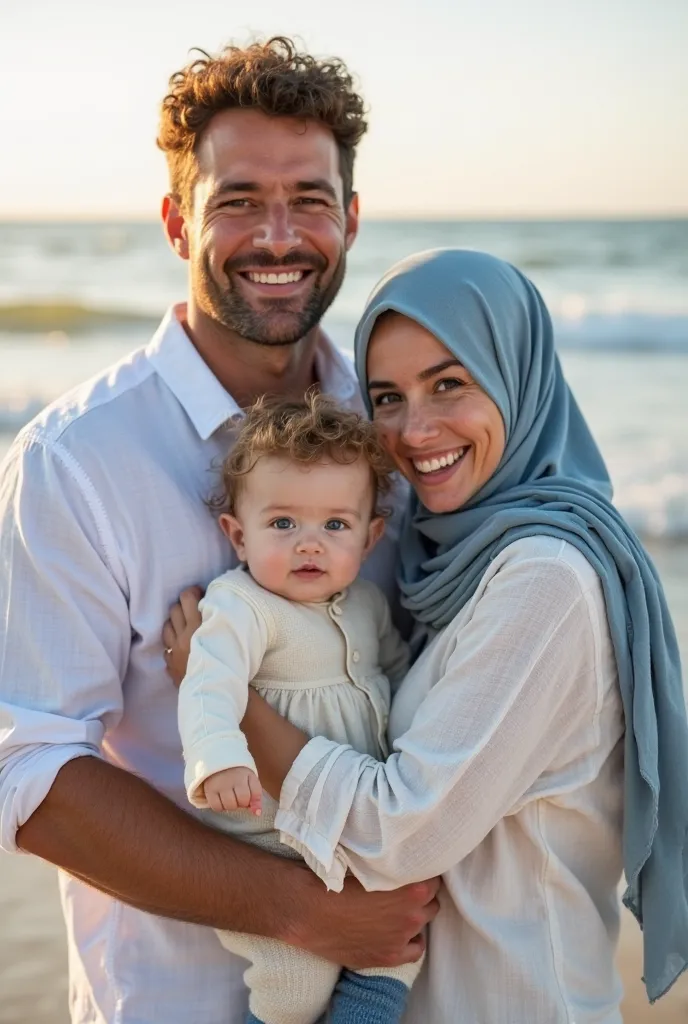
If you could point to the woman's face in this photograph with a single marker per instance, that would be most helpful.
(444, 433)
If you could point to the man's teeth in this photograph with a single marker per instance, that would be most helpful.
(432, 465)
(290, 278)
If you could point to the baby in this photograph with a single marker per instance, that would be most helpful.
(301, 489)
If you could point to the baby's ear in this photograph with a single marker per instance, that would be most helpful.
(234, 532)
(375, 530)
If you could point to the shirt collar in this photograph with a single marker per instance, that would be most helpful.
(200, 393)
(188, 377)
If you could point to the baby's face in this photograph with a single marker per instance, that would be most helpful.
(304, 530)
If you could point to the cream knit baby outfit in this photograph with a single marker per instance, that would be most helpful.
(326, 667)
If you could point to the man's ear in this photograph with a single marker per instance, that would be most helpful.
(351, 222)
(234, 532)
(375, 530)
(175, 226)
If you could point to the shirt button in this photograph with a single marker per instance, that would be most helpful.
(336, 610)
(355, 657)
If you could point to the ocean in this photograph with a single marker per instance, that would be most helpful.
(75, 297)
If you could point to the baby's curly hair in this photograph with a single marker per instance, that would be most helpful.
(271, 76)
(313, 430)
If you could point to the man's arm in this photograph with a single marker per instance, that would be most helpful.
(64, 647)
(115, 832)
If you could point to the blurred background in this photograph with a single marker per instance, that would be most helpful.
(551, 134)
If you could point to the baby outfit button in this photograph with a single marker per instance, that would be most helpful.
(336, 610)
(355, 657)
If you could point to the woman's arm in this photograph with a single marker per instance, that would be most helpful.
(518, 684)
(273, 741)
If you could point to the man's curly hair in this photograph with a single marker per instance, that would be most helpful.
(313, 430)
(271, 76)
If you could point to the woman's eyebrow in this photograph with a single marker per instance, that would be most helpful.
(431, 371)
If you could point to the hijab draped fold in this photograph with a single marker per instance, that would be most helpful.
(552, 480)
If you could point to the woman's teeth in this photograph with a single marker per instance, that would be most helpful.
(439, 462)
(290, 278)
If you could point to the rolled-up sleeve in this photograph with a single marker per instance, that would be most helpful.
(518, 683)
(64, 625)
(226, 652)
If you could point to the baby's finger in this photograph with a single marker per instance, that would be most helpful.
(256, 802)
(214, 801)
(242, 793)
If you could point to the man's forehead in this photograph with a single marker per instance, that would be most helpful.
(248, 144)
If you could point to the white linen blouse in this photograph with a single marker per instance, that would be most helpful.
(506, 778)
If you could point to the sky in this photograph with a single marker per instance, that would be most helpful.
(478, 108)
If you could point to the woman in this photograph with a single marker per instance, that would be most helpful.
(543, 634)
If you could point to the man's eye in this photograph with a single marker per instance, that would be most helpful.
(282, 523)
(310, 201)
(336, 525)
(236, 204)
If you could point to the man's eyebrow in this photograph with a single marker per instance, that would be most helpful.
(316, 185)
(223, 187)
(424, 375)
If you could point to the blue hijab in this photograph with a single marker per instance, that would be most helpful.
(552, 480)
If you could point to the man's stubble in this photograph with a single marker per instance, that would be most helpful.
(228, 307)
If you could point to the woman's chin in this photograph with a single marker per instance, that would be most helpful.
(440, 499)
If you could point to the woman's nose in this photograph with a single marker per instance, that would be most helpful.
(418, 428)
(277, 234)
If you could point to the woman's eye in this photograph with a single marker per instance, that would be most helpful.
(388, 399)
(282, 524)
(336, 525)
(448, 384)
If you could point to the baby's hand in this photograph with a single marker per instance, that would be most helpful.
(233, 788)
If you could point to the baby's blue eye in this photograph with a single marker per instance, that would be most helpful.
(282, 524)
(336, 525)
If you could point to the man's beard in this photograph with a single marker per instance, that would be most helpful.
(277, 324)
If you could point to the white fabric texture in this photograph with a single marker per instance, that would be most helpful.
(102, 524)
(506, 778)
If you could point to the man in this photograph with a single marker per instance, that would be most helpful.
(103, 522)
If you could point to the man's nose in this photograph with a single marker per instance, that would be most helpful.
(277, 234)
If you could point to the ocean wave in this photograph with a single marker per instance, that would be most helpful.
(70, 318)
(628, 332)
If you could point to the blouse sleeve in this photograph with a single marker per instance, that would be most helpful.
(516, 686)
(226, 652)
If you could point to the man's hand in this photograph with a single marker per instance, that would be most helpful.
(365, 929)
(233, 788)
(183, 622)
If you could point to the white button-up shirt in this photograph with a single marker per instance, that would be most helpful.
(102, 523)
(506, 778)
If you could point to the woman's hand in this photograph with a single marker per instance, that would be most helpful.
(183, 622)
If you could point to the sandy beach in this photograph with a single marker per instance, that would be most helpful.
(33, 962)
